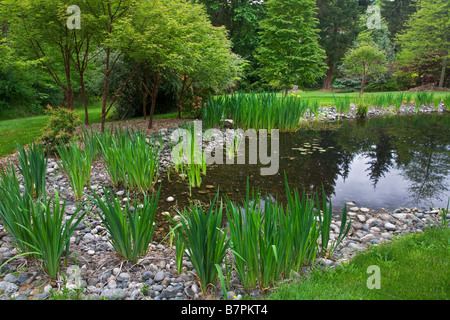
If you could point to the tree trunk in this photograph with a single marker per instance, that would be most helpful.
(329, 79)
(146, 90)
(442, 79)
(84, 97)
(105, 90)
(180, 97)
(154, 94)
(363, 82)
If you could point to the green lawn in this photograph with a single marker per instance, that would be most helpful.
(26, 130)
(415, 267)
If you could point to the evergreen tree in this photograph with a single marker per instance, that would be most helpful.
(425, 42)
(397, 13)
(290, 53)
(338, 24)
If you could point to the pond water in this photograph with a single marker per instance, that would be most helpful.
(388, 162)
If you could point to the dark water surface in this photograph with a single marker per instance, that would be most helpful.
(389, 162)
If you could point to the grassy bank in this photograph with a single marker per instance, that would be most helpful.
(414, 267)
(27, 130)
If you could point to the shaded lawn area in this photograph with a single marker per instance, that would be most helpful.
(27, 130)
(415, 267)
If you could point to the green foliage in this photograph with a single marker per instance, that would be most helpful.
(255, 111)
(60, 127)
(406, 273)
(15, 210)
(77, 164)
(50, 232)
(192, 160)
(338, 28)
(33, 167)
(289, 53)
(129, 159)
(424, 43)
(365, 60)
(269, 242)
(131, 231)
(205, 242)
(38, 228)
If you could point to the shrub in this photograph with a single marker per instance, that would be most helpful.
(60, 127)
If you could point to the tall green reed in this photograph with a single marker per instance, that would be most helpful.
(205, 242)
(77, 164)
(255, 111)
(33, 167)
(50, 232)
(129, 159)
(131, 231)
(15, 209)
(270, 241)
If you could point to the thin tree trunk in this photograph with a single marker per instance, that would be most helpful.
(180, 97)
(105, 89)
(154, 94)
(329, 79)
(146, 90)
(84, 97)
(442, 79)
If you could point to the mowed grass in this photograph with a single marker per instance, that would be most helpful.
(415, 267)
(27, 130)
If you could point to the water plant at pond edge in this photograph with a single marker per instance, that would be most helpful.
(255, 111)
(269, 242)
(205, 242)
(342, 105)
(129, 159)
(191, 159)
(77, 164)
(131, 231)
(33, 167)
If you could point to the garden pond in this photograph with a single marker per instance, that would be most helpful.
(379, 163)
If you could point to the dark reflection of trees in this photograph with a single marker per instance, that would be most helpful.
(424, 155)
(381, 157)
(418, 146)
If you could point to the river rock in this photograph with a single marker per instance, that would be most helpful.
(113, 294)
(159, 276)
(389, 226)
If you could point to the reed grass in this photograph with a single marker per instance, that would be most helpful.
(255, 111)
(50, 232)
(192, 158)
(77, 164)
(131, 231)
(15, 210)
(129, 159)
(270, 241)
(205, 242)
(33, 168)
